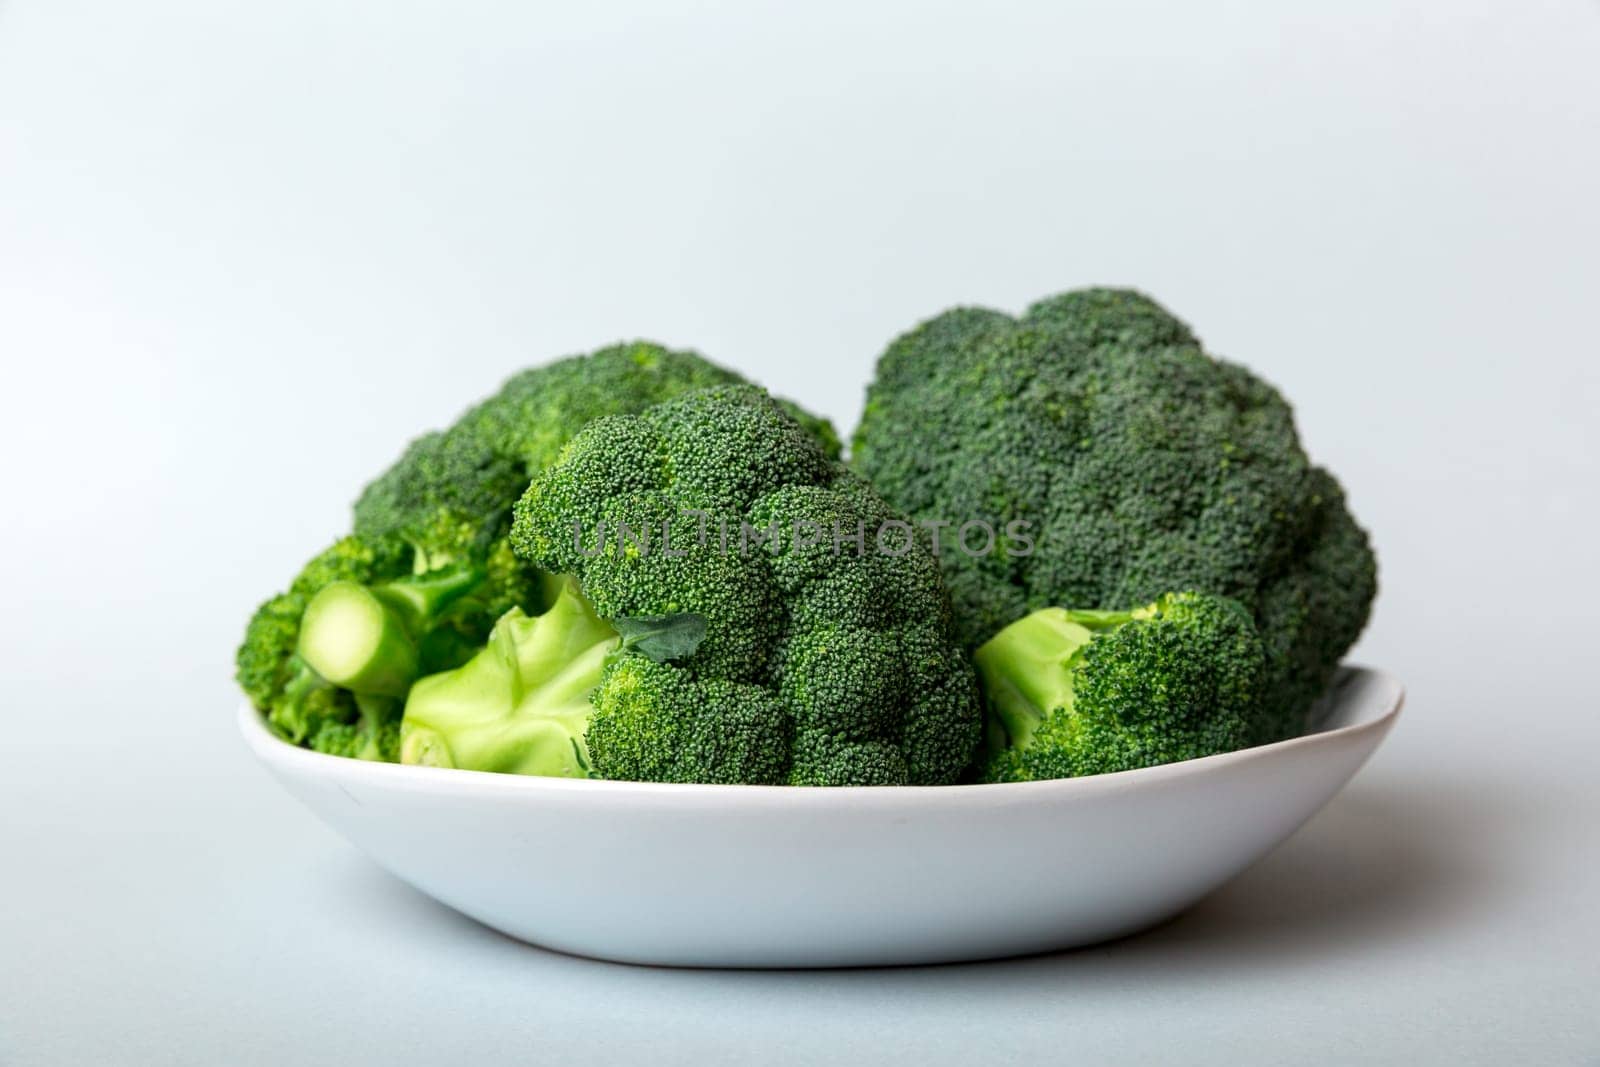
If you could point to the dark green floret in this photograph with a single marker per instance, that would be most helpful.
(1141, 465)
(1073, 693)
(475, 470)
(817, 663)
(655, 723)
(447, 493)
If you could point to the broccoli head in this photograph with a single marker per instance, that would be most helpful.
(1138, 463)
(450, 495)
(539, 410)
(1073, 693)
(771, 634)
(428, 570)
(460, 483)
(447, 493)
(330, 660)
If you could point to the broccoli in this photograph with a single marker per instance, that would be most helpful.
(474, 471)
(300, 706)
(521, 704)
(448, 493)
(816, 657)
(374, 640)
(1072, 693)
(373, 734)
(1139, 464)
(440, 515)
(332, 677)
(538, 411)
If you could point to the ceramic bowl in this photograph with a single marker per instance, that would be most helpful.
(779, 876)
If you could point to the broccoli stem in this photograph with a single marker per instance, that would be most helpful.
(521, 705)
(368, 639)
(355, 639)
(421, 598)
(375, 711)
(1027, 669)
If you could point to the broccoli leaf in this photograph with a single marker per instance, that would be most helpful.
(661, 637)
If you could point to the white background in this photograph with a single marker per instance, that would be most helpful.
(246, 250)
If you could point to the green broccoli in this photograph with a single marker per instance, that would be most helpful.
(1137, 463)
(440, 514)
(300, 662)
(815, 657)
(300, 706)
(538, 411)
(1072, 693)
(373, 734)
(375, 640)
(521, 704)
(474, 471)
(448, 493)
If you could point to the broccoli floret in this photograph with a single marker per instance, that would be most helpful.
(1072, 693)
(655, 723)
(440, 512)
(262, 662)
(521, 704)
(299, 704)
(538, 411)
(306, 705)
(817, 662)
(332, 676)
(451, 493)
(447, 492)
(1139, 464)
(449, 497)
(459, 484)
(372, 734)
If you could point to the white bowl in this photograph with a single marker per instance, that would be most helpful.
(778, 876)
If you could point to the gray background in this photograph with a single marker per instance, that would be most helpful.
(247, 249)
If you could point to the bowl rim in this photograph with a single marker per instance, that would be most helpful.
(273, 750)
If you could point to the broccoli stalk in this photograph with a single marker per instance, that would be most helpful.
(299, 705)
(1027, 673)
(521, 705)
(1072, 693)
(374, 640)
